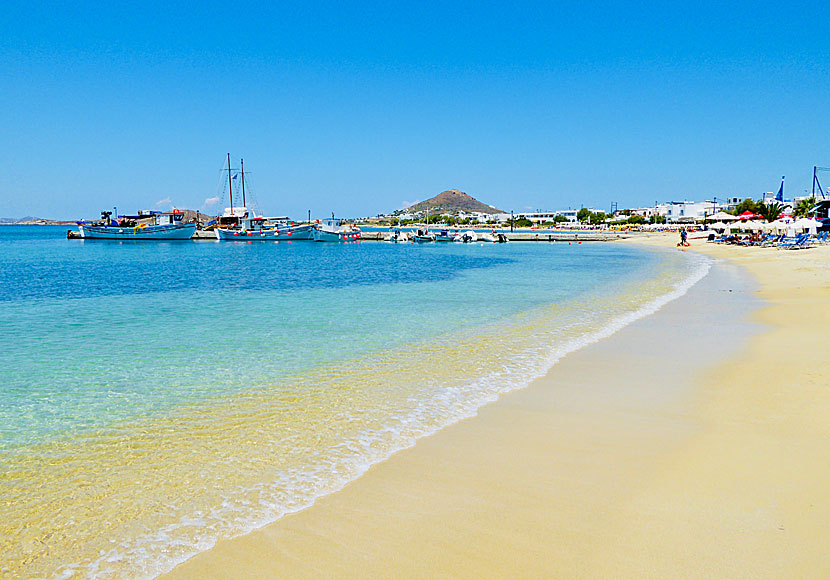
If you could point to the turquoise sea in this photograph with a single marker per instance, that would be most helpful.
(159, 396)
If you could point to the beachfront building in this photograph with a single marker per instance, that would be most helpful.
(539, 216)
(688, 211)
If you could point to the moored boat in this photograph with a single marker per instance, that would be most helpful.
(242, 223)
(445, 235)
(165, 226)
(398, 237)
(332, 230)
(465, 237)
(423, 235)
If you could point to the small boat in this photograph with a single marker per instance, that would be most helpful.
(423, 235)
(166, 226)
(445, 235)
(466, 237)
(494, 238)
(399, 237)
(332, 230)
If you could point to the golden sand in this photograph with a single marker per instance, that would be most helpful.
(595, 472)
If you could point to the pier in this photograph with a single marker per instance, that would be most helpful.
(516, 236)
(520, 236)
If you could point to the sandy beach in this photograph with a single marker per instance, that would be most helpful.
(691, 444)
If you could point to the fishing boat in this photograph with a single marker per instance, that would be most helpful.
(242, 223)
(332, 230)
(466, 237)
(165, 226)
(445, 235)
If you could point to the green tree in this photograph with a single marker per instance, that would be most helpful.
(804, 207)
(770, 212)
(583, 214)
(748, 204)
(559, 218)
(597, 218)
(636, 219)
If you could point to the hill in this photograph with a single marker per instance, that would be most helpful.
(452, 201)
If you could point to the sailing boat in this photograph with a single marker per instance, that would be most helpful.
(244, 224)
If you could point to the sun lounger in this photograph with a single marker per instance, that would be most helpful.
(801, 242)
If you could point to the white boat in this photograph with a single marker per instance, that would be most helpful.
(332, 230)
(165, 226)
(399, 237)
(466, 237)
(495, 238)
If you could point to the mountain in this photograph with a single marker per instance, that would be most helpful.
(452, 201)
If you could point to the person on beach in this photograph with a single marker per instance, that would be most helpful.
(683, 235)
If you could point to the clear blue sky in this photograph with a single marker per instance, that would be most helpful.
(358, 108)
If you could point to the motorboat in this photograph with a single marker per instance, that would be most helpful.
(399, 237)
(466, 237)
(423, 235)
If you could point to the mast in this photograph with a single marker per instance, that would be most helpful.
(230, 185)
(242, 168)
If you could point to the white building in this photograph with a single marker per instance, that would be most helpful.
(688, 211)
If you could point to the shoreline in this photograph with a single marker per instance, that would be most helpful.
(354, 531)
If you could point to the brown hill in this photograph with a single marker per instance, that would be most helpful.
(452, 201)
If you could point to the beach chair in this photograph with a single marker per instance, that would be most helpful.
(802, 241)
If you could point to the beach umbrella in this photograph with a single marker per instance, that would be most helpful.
(718, 226)
(722, 216)
(747, 215)
(750, 225)
(808, 224)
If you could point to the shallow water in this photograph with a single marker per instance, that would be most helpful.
(160, 396)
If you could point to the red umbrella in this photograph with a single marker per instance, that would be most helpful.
(748, 215)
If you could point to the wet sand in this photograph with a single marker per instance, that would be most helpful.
(690, 444)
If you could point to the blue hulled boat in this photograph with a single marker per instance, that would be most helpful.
(165, 226)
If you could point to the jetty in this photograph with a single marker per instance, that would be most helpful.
(515, 236)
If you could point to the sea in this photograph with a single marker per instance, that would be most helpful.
(157, 397)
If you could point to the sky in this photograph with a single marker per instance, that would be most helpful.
(363, 108)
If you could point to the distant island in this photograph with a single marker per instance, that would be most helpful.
(34, 221)
(450, 202)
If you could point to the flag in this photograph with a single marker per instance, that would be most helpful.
(780, 195)
(235, 176)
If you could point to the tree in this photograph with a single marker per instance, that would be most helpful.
(597, 218)
(748, 204)
(636, 219)
(559, 218)
(769, 212)
(804, 207)
(657, 219)
(583, 214)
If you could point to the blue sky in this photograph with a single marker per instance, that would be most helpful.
(359, 108)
